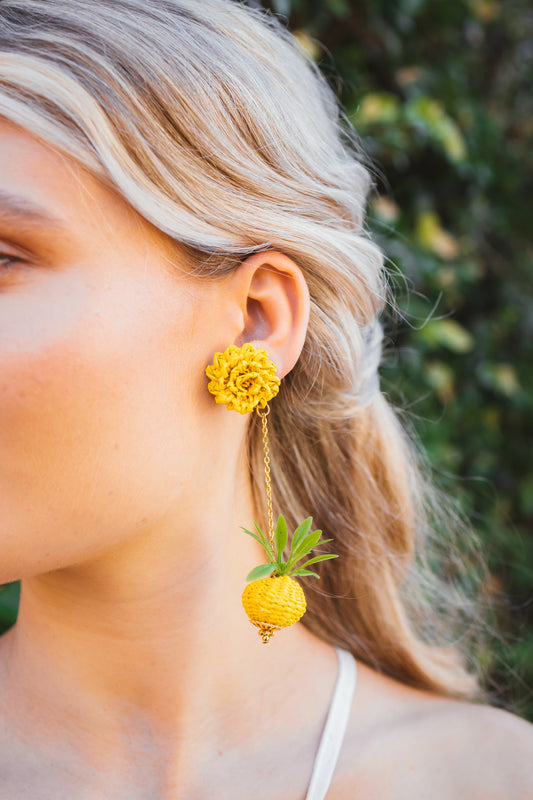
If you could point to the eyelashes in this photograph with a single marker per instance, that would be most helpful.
(7, 261)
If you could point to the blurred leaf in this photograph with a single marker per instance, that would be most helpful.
(447, 333)
(431, 235)
(486, 10)
(309, 46)
(339, 8)
(9, 601)
(380, 107)
(439, 127)
(501, 378)
(442, 378)
(386, 209)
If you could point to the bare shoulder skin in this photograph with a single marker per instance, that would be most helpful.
(405, 743)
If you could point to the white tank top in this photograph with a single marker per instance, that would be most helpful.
(335, 727)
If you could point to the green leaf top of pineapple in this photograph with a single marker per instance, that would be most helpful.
(303, 541)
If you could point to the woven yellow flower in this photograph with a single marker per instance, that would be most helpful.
(242, 378)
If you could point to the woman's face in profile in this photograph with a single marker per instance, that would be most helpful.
(103, 344)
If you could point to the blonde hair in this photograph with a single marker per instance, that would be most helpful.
(213, 126)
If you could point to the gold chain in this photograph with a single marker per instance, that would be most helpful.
(268, 486)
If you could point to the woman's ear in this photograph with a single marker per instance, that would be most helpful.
(273, 301)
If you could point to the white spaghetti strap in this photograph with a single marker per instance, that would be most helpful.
(335, 727)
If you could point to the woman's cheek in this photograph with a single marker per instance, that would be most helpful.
(65, 380)
(99, 414)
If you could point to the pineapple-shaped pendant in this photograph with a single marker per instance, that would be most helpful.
(273, 599)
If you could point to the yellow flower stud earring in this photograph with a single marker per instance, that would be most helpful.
(243, 379)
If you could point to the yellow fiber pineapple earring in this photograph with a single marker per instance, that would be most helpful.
(244, 379)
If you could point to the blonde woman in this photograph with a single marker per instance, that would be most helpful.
(174, 179)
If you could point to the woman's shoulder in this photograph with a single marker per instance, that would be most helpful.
(403, 742)
(474, 751)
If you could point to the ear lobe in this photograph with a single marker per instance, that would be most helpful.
(274, 302)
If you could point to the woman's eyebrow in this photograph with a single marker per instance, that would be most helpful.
(21, 209)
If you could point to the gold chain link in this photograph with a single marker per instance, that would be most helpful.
(268, 486)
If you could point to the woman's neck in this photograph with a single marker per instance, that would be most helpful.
(132, 625)
(140, 653)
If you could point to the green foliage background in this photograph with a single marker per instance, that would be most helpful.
(440, 93)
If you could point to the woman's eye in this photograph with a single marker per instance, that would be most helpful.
(7, 261)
